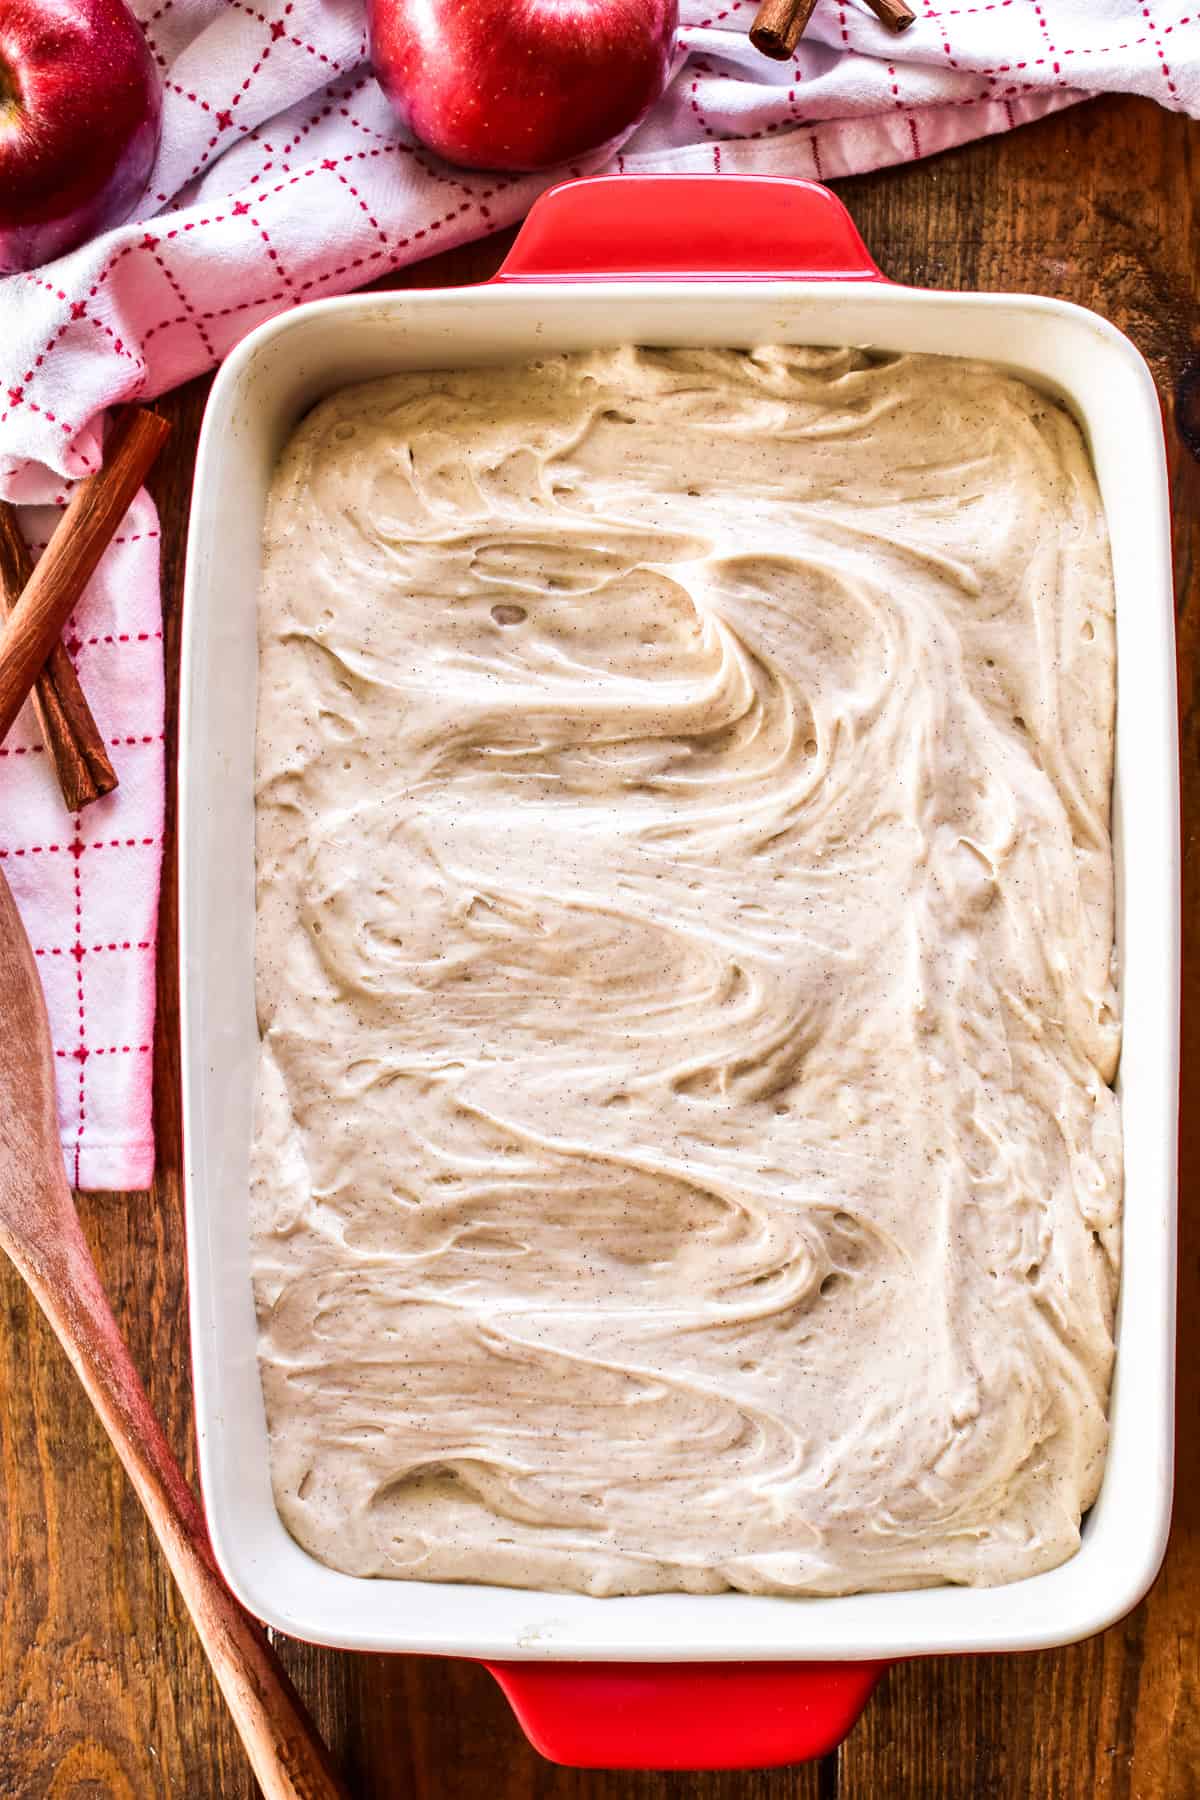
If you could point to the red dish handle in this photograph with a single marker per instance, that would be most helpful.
(676, 227)
(685, 1715)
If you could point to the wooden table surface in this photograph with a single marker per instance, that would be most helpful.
(103, 1689)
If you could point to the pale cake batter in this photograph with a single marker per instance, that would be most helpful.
(686, 1155)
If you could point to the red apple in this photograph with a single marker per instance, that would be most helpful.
(80, 112)
(520, 84)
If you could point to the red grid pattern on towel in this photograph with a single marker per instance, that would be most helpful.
(80, 1052)
(87, 884)
(282, 177)
(77, 849)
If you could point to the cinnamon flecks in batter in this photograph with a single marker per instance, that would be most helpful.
(686, 1157)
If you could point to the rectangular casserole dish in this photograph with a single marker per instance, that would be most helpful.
(670, 261)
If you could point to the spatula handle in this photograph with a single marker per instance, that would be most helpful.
(287, 1755)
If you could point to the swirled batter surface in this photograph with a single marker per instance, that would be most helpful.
(686, 1155)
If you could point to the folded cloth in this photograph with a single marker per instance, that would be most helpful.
(283, 177)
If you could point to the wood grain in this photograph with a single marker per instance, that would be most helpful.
(102, 1689)
(40, 1232)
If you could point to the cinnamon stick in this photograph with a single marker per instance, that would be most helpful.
(82, 535)
(71, 735)
(778, 26)
(894, 14)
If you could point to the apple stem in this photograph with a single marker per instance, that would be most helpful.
(10, 90)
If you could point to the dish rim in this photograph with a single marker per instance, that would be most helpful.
(993, 1619)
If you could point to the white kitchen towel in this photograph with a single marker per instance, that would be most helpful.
(283, 177)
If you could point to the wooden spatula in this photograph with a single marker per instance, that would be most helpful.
(39, 1229)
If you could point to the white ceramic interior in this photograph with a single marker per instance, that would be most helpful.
(264, 387)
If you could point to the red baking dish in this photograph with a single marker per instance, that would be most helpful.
(674, 1681)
